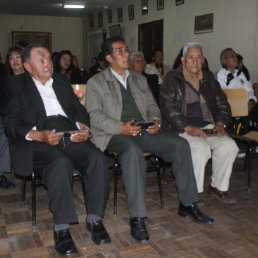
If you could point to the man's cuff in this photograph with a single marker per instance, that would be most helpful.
(27, 135)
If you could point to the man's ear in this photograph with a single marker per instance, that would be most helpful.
(109, 58)
(27, 66)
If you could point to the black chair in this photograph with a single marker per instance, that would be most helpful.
(237, 99)
(157, 165)
(36, 181)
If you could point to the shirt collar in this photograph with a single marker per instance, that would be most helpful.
(120, 78)
(48, 83)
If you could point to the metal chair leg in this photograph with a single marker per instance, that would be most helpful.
(23, 191)
(33, 195)
(159, 176)
(116, 166)
(248, 154)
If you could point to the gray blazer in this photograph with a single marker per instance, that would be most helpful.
(104, 104)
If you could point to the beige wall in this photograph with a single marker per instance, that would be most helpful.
(235, 25)
(66, 31)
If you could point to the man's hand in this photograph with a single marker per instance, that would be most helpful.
(128, 128)
(219, 130)
(82, 136)
(47, 136)
(251, 105)
(153, 128)
(195, 131)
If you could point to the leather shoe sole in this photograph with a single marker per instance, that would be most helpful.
(98, 232)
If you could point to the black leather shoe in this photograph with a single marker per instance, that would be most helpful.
(64, 244)
(99, 235)
(5, 183)
(138, 230)
(194, 213)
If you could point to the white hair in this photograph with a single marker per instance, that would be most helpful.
(135, 53)
(191, 45)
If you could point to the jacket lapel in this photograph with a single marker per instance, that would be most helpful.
(34, 97)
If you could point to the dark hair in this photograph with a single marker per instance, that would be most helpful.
(157, 50)
(239, 57)
(11, 50)
(26, 52)
(57, 66)
(222, 55)
(178, 61)
(106, 46)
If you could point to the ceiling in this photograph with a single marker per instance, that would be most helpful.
(52, 7)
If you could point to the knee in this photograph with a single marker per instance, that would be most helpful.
(201, 149)
(228, 148)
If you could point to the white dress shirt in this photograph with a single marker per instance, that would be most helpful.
(237, 82)
(50, 101)
(49, 98)
(120, 78)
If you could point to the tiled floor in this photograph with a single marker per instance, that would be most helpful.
(234, 233)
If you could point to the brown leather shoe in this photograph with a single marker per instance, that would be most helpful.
(221, 196)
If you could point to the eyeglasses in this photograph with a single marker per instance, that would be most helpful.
(121, 50)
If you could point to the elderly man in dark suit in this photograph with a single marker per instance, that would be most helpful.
(41, 107)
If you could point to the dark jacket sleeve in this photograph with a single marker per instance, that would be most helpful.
(171, 96)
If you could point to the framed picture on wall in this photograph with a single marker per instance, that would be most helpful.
(91, 23)
(179, 2)
(160, 5)
(120, 14)
(109, 15)
(115, 31)
(203, 23)
(144, 7)
(131, 12)
(44, 38)
(100, 19)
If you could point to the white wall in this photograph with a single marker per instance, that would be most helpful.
(66, 31)
(235, 25)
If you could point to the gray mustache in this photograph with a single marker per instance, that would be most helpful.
(48, 70)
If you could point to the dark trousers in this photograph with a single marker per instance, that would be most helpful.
(55, 165)
(171, 148)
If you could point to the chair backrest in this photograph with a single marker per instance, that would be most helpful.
(237, 99)
(80, 91)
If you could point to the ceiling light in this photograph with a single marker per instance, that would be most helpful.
(75, 6)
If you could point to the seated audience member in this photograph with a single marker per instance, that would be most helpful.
(94, 66)
(230, 77)
(191, 101)
(76, 70)
(116, 99)
(138, 64)
(102, 63)
(13, 63)
(64, 65)
(242, 67)
(42, 106)
(157, 67)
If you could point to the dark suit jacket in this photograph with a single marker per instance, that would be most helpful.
(25, 109)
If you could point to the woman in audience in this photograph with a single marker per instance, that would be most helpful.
(13, 63)
(63, 63)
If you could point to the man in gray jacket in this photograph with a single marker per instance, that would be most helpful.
(116, 99)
